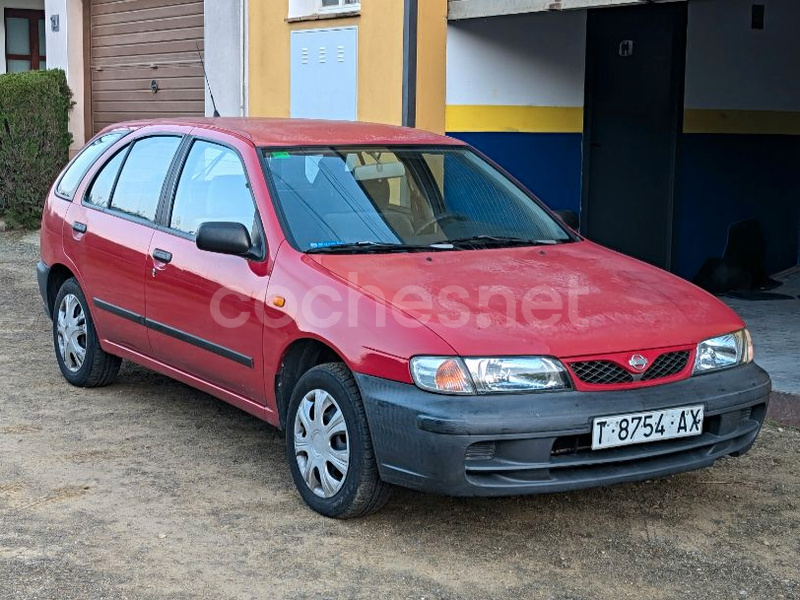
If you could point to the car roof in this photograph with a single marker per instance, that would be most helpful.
(281, 133)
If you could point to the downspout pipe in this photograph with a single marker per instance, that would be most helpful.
(410, 22)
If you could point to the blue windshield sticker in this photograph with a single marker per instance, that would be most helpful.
(324, 244)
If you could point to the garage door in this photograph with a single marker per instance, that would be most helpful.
(144, 60)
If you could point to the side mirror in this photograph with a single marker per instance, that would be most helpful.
(224, 238)
(570, 218)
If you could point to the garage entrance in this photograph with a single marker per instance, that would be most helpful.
(144, 60)
(635, 59)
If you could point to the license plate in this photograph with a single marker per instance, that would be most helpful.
(653, 426)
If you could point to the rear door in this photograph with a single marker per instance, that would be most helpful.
(110, 229)
(204, 309)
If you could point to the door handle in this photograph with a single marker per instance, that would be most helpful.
(79, 227)
(162, 256)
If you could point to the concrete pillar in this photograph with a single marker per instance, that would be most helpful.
(65, 51)
(224, 51)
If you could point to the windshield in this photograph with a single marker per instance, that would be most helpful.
(385, 199)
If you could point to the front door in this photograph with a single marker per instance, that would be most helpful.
(203, 309)
(635, 58)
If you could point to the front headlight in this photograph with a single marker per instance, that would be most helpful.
(723, 352)
(451, 375)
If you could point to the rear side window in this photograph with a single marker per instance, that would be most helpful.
(99, 193)
(74, 174)
(213, 187)
(139, 185)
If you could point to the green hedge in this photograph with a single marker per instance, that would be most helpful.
(34, 141)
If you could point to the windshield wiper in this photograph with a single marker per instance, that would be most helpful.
(477, 241)
(369, 247)
(497, 240)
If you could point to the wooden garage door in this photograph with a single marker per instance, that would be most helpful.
(137, 42)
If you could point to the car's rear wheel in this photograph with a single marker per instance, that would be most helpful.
(81, 359)
(329, 447)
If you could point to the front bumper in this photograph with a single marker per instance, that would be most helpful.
(537, 443)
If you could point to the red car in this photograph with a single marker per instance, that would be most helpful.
(401, 307)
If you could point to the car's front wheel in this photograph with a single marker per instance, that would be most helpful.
(329, 447)
(81, 359)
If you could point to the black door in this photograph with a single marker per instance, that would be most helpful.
(635, 59)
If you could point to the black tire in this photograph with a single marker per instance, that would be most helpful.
(99, 368)
(362, 491)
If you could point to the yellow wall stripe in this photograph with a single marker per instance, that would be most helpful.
(522, 119)
(763, 122)
(569, 119)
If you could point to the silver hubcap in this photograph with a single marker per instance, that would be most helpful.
(321, 443)
(71, 329)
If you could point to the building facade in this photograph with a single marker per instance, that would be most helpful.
(370, 61)
(135, 59)
(662, 123)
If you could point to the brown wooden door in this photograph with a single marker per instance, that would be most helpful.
(144, 60)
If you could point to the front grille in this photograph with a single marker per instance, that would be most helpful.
(606, 372)
(601, 372)
(667, 365)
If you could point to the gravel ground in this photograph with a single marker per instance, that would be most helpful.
(148, 489)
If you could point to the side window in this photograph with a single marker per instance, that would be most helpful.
(99, 193)
(213, 187)
(139, 184)
(74, 174)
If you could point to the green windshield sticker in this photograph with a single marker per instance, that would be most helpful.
(281, 155)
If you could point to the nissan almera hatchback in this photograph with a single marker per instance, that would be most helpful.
(405, 311)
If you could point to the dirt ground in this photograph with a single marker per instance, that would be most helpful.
(150, 490)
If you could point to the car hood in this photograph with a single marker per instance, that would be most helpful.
(567, 300)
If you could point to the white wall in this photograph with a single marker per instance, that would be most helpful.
(224, 47)
(731, 66)
(524, 60)
(29, 4)
(57, 45)
(302, 8)
(65, 51)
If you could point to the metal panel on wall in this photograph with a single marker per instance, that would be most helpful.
(324, 74)
(144, 60)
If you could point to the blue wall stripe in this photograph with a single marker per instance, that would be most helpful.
(729, 178)
(548, 164)
(724, 178)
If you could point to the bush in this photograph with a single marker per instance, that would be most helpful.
(34, 141)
